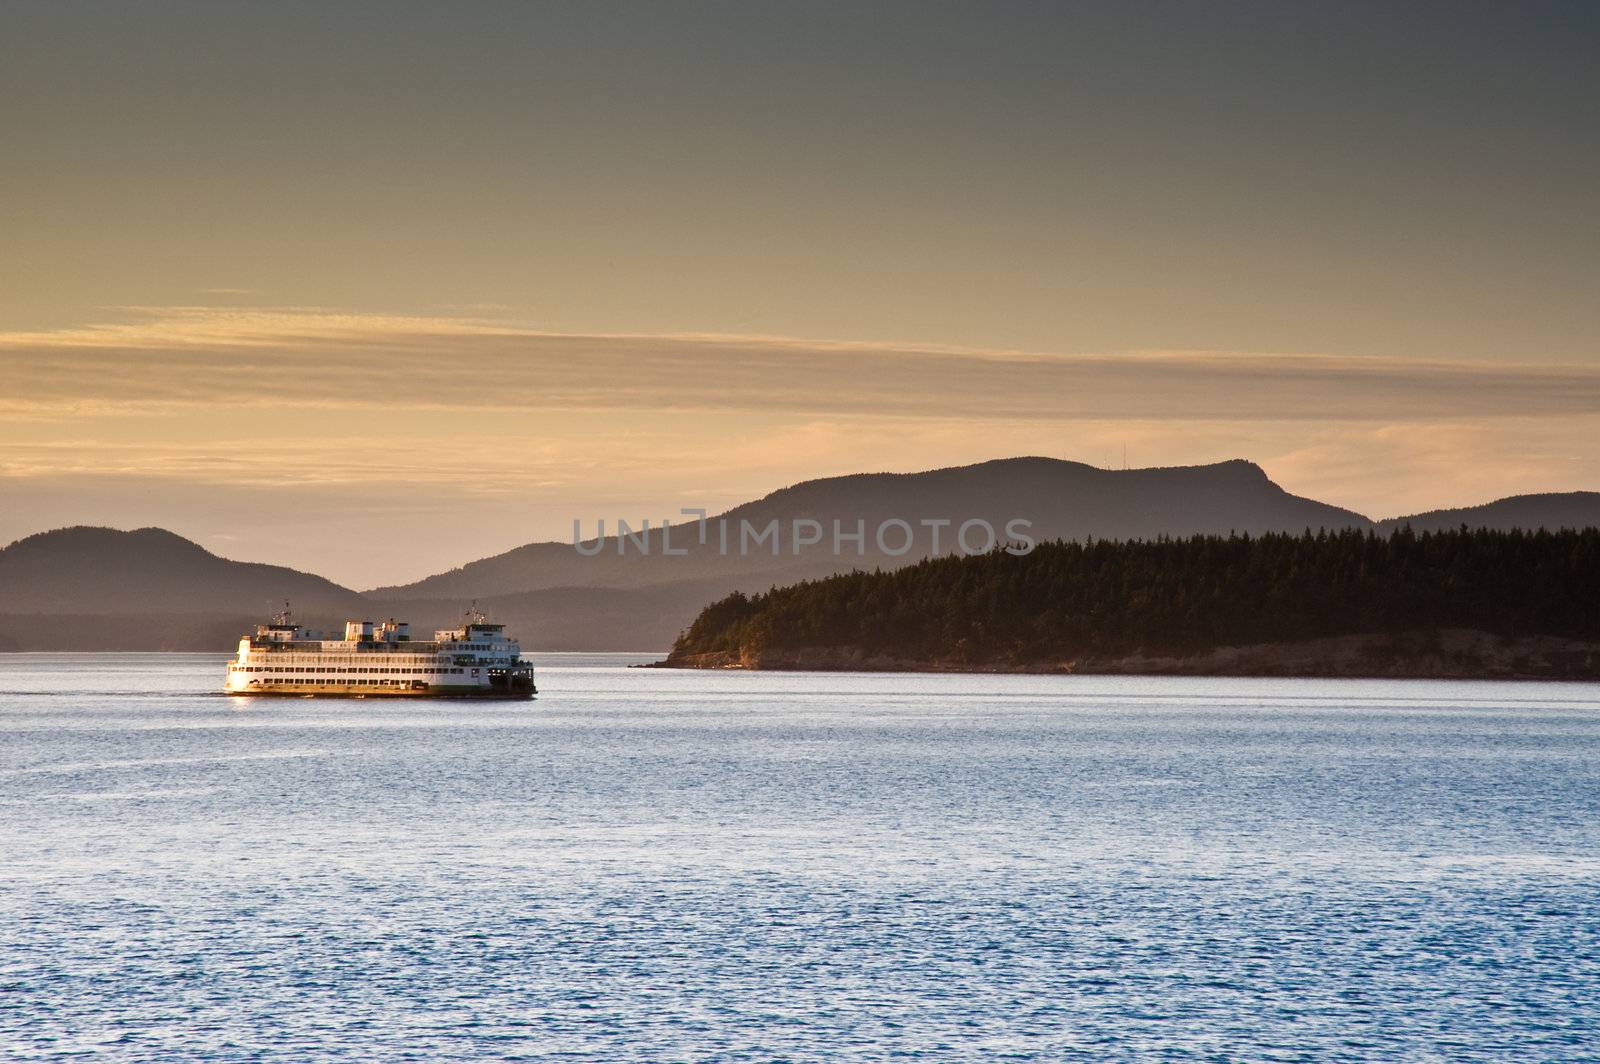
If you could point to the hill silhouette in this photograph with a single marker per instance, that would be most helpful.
(1552, 510)
(86, 570)
(1062, 500)
(150, 588)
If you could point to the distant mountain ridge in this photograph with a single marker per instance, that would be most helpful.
(150, 588)
(105, 570)
(1551, 510)
(1061, 499)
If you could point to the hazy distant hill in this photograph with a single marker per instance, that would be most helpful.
(1555, 510)
(151, 589)
(149, 571)
(1063, 500)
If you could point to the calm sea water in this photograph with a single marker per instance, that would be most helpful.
(659, 865)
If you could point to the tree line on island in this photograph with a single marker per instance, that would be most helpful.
(1068, 601)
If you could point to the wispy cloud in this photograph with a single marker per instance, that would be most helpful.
(312, 357)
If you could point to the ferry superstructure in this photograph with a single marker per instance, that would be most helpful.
(380, 659)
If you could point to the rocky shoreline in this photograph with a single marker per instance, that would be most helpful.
(1447, 654)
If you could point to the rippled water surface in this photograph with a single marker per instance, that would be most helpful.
(658, 865)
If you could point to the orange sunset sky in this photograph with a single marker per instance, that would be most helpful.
(375, 290)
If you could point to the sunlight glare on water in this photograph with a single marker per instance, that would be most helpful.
(652, 864)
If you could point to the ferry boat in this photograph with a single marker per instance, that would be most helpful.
(474, 659)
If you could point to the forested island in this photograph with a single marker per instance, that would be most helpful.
(1462, 603)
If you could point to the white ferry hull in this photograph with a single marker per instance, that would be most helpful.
(473, 660)
(317, 690)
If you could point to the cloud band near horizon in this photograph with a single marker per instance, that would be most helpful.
(304, 357)
(304, 437)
